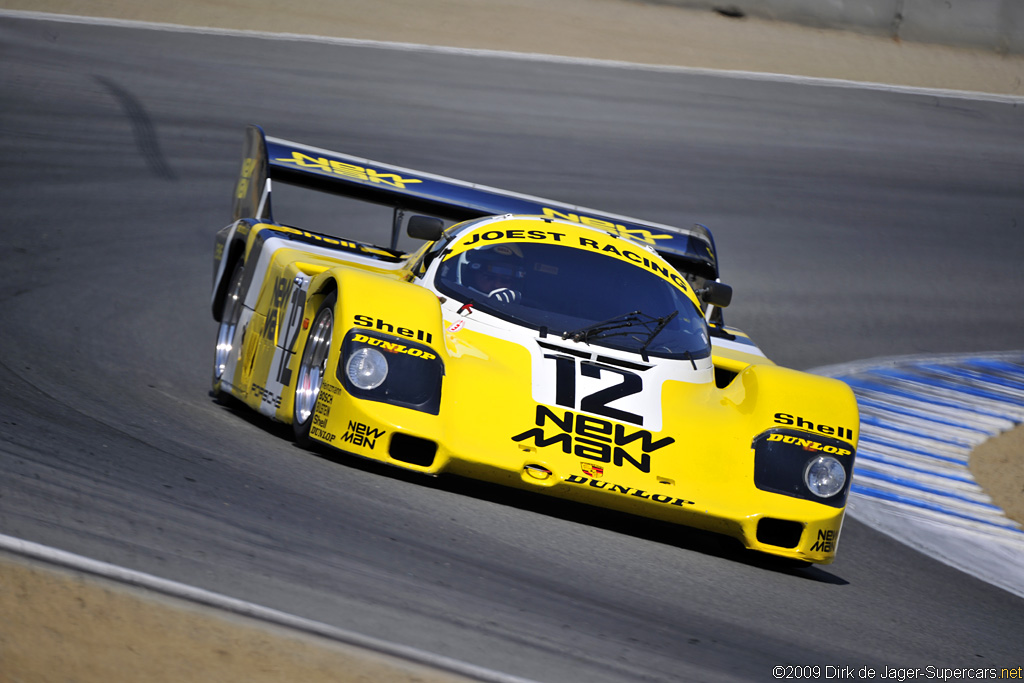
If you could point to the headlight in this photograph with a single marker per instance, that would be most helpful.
(367, 368)
(797, 463)
(391, 369)
(824, 476)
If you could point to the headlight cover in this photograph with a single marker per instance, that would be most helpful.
(824, 476)
(391, 369)
(366, 368)
(803, 465)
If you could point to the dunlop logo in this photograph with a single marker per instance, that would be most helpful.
(808, 444)
(393, 347)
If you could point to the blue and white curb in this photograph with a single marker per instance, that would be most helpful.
(921, 417)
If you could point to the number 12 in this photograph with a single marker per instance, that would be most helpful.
(596, 402)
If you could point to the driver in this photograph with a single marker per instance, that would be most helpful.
(494, 271)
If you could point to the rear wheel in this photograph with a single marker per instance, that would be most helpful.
(313, 369)
(231, 311)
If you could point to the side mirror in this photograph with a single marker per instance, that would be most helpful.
(425, 228)
(716, 294)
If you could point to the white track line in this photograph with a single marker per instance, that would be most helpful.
(523, 56)
(79, 563)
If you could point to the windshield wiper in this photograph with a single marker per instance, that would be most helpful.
(651, 325)
(597, 330)
(662, 322)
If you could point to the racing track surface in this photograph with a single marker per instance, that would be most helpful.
(853, 224)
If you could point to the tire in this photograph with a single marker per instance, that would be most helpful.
(312, 369)
(231, 311)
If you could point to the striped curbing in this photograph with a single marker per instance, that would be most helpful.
(921, 416)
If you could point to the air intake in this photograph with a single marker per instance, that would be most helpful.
(412, 449)
(779, 532)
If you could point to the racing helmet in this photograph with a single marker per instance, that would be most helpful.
(489, 267)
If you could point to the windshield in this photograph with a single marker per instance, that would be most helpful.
(580, 295)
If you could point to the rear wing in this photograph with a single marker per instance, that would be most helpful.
(267, 159)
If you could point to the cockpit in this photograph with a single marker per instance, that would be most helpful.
(622, 299)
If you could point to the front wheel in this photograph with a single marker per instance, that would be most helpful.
(231, 311)
(313, 369)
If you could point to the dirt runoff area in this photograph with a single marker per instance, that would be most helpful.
(629, 30)
(62, 626)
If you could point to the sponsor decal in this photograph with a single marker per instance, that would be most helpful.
(283, 322)
(662, 270)
(248, 167)
(340, 168)
(504, 235)
(628, 491)
(609, 247)
(266, 396)
(595, 471)
(322, 410)
(808, 444)
(334, 242)
(318, 433)
(796, 421)
(639, 234)
(568, 372)
(381, 325)
(393, 347)
(593, 438)
(360, 434)
(457, 325)
(276, 302)
(826, 541)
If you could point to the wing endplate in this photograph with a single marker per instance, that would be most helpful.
(252, 193)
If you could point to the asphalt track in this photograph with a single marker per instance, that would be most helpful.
(853, 224)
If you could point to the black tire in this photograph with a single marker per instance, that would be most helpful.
(230, 313)
(312, 369)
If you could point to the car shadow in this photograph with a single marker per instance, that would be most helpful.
(656, 531)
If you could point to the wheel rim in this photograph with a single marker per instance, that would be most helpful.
(313, 366)
(228, 324)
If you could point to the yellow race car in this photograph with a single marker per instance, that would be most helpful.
(528, 343)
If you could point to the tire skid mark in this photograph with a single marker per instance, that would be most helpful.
(146, 138)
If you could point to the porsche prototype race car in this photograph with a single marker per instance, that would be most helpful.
(529, 343)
